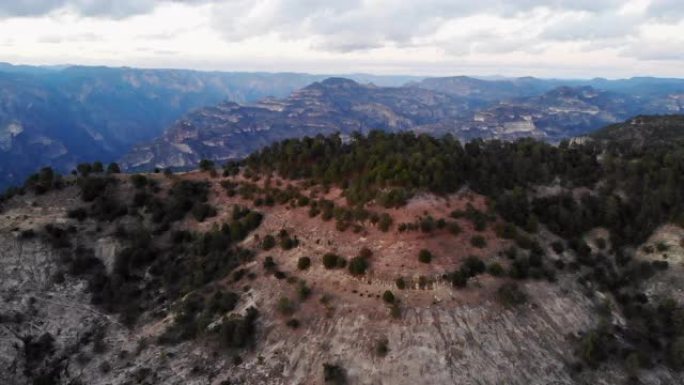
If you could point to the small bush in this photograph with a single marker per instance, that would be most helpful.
(454, 228)
(269, 263)
(268, 242)
(202, 211)
(395, 311)
(113, 168)
(425, 256)
(333, 261)
(473, 266)
(401, 284)
(206, 165)
(496, 270)
(139, 181)
(458, 279)
(381, 347)
(385, 222)
(510, 294)
(334, 375)
(303, 263)
(303, 291)
(286, 306)
(79, 214)
(388, 297)
(478, 241)
(557, 247)
(358, 265)
(662, 247)
(292, 323)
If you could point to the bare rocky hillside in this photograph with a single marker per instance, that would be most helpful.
(315, 324)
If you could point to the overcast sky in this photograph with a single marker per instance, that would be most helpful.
(555, 38)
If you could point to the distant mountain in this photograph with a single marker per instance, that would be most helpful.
(231, 131)
(557, 114)
(62, 115)
(490, 90)
(508, 88)
(644, 130)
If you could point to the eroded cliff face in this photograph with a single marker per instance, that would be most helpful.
(443, 336)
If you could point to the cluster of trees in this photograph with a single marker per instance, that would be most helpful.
(644, 186)
(391, 167)
(359, 264)
(184, 263)
(195, 312)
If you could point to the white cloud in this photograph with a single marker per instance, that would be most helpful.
(572, 38)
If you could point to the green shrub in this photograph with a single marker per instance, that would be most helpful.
(506, 231)
(334, 375)
(662, 247)
(557, 247)
(496, 270)
(478, 241)
(601, 243)
(510, 295)
(333, 261)
(268, 242)
(454, 228)
(473, 266)
(286, 306)
(425, 256)
(401, 284)
(206, 165)
(202, 211)
(303, 263)
(79, 214)
(293, 323)
(303, 291)
(385, 222)
(388, 297)
(395, 311)
(458, 279)
(381, 347)
(358, 265)
(113, 168)
(139, 181)
(269, 263)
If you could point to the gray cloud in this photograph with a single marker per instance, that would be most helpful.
(670, 10)
(29, 7)
(336, 25)
(361, 25)
(116, 9)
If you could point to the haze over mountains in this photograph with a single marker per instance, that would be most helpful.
(62, 115)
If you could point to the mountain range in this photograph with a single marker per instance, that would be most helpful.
(60, 116)
(466, 108)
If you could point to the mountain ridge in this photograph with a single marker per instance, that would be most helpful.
(339, 104)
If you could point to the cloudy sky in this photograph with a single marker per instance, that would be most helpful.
(553, 38)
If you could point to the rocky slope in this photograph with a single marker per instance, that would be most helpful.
(50, 328)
